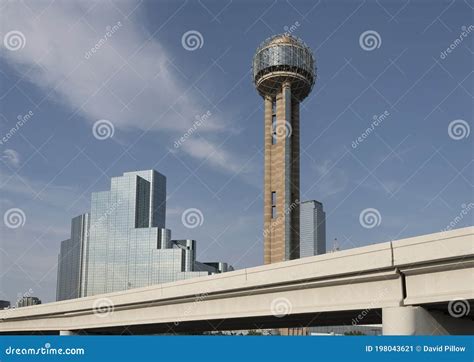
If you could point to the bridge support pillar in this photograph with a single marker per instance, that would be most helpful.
(411, 321)
(66, 333)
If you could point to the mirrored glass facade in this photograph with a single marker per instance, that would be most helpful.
(125, 225)
(312, 229)
(292, 57)
(284, 58)
(70, 259)
(128, 245)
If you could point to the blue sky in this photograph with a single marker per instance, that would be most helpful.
(415, 168)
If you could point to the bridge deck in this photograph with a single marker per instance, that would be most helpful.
(326, 289)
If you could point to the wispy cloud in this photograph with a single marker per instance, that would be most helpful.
(52, 194)
(128, 79)
(330, 180)
(212, 154)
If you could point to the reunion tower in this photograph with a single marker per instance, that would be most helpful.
(284, 74)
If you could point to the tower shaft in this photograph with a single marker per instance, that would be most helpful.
(282, 176)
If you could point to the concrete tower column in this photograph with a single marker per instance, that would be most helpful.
(281, 199)
(267, 212)
(294, 206)
(284, 134)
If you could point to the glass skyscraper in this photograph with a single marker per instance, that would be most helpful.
(125, 227)
(312, 228)
(126, 244)
(70, 259)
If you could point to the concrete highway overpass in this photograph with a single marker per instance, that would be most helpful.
(419, 285)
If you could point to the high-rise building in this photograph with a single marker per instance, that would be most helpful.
(312, 228)
(123, 242)
(126, 224)
(284, 74)
(27, 301)
(70, 259)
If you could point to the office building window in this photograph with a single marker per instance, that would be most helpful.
(274, 213)
(274, 121)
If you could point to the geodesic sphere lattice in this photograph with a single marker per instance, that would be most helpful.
(284, 58)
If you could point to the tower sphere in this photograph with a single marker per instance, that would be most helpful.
(284, 58)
